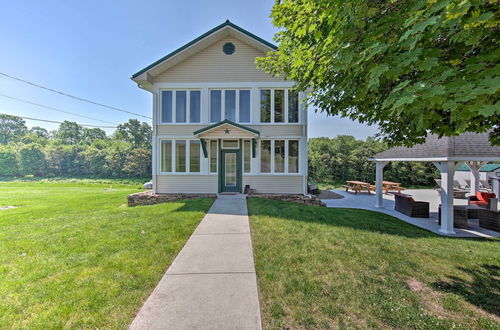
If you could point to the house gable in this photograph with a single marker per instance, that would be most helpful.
(212, 65)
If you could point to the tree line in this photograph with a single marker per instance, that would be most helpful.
(74, 150)
(335, 160)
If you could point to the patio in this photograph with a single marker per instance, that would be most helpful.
(367, 201)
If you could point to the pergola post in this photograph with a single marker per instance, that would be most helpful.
(447, 169)
(379, 178)
(474, 175)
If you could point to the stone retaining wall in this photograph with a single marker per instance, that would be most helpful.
(149, 198)
(301, 199)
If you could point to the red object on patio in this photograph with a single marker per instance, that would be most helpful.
(481, 199)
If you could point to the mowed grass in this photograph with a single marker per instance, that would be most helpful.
(341, 268)
(74, 255)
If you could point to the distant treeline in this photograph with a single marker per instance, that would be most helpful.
(346, 158)
(73, 150)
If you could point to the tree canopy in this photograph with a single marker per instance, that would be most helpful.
(411, 67)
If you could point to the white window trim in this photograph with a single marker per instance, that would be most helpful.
(216, 157)
(285, 110)
(223, 103)
(174, 106)
(243, 155)
(173, 156)
(273, 170)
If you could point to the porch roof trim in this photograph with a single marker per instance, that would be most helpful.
(225, 122)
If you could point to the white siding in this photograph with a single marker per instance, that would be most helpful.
(186, 184)
(275, 184)
(265, 130)
(212, 65)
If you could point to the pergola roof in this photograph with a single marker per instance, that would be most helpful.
(468, 146)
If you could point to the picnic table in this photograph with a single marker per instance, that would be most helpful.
(358, 186)
(388, 186)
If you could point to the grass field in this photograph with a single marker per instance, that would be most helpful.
(73, 255)
(342, 268)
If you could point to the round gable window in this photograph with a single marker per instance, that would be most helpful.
(228, 48)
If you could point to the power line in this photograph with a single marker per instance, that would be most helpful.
(55, 109)
(54, 121)
(72, 96)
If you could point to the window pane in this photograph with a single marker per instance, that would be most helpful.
(215, 104)
(265, 106)
(166, 106)
(230, 144)
(213, 156)
(166, 156)
(279, 156)
(245, 106)
(247, 155)
(293, 156)
(265, 156)
(194, 106)
(194, 156)
(293, 107)
(279, 105)
(180, 155)
(230, 105)
(180, 106)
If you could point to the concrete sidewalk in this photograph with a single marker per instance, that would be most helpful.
(211, 284)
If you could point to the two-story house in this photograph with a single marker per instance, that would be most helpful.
(220, 123)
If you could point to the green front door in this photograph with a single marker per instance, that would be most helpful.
(230, 171)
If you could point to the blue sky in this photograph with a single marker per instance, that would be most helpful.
(91, 48)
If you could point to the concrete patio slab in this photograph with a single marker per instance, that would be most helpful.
(212, 283)
(367, 201)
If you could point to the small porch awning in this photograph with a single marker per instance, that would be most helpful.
(226, 129)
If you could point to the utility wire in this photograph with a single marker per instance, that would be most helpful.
(55, 109)
(72, 96)
(54, 121)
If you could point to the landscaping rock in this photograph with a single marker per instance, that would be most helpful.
(150, 198)
(294, 198)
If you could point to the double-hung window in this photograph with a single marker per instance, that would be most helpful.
(231, 104)
(180, 106)
(180, 156)
(279, 156)
(279, 106)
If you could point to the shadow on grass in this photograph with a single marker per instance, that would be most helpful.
(358, 219)
(483, 290)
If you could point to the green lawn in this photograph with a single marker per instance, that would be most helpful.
(73, 255)
(343, 268)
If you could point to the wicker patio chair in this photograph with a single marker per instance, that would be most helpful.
(489, 219)
(408, 206)
(460, 216)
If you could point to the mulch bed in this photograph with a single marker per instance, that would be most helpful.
(327, 194)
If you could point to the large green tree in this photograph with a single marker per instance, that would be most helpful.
(12, 129)
(135, 132)
(410, 66)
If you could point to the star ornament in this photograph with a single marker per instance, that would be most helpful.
(227, 130)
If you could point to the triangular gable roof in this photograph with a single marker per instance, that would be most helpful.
(225, 122)
(467, 146)
(224, 29)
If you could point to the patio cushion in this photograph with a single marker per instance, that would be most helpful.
(484, 196)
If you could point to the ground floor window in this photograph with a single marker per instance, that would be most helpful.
(247, 156)
(180, 156)
(213, 156)
(279, 156)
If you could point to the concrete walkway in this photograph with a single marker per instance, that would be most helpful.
(211, 284)
(367, 202)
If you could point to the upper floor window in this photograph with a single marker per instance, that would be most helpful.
(230, 104)
(181, 106)
(279, 106)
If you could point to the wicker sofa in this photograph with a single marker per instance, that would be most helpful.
(408, 206)
(489, 219)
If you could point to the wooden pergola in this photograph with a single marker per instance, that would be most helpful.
(447, 154)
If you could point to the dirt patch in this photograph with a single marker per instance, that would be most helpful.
(431, 301)
(327, 194)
